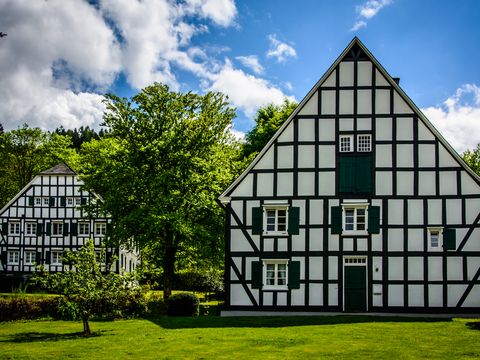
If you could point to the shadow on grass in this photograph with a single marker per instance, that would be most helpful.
(34, 336)
(474, 325)
(279, 321)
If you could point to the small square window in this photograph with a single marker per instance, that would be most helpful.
(69, 201)
(275, 274)
(276, 219)
(14, 228)
(346, 143)
(38, 201)
(57, 228)
(435, 239)
(31, 228)
(46, 201)
(78, 201)
(13, 257)
(364, 143)
(29, 257)
(100, 228)
(354, 218)
(56, 258)
(83, 229)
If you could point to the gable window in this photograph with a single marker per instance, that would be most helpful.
(275, 274)
(31, 228)
(46, 201)
(14, 228)
(56, 257)
(57, 228)
(38, 201)
(364, 143)
(100, 228)
(29, 257)
(346, 143)
(440, 239)
(355, 219)
(275, 219)
(69, 201)
(83, 229)
(13, 257)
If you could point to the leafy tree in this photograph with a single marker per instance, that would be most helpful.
(268, 120)
(167, 157)
(79, 136)
(25, 152)
(472, 158)
(84, 287)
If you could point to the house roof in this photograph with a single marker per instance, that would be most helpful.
(59, 169)
(354, 45)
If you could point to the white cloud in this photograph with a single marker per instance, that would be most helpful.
(245, 91)
(458, 118)
(251, 62)
(222, 12)
(280, 50)
(368, 10)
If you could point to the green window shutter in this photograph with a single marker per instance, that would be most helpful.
(336, 220)
(257, 220)
(449, 239)
(363, 174)
(5, 228)
(47, 258)
(65, 229)
(294, 274)
(51, 201)
(38, 259)
(39, 229)
(374, 219)
(294, 220)
(74, 229)
(3, 258)
(63, 201)
(83, 201)
(49, 229)
(30, 201)
(347, 174)
(257, 274)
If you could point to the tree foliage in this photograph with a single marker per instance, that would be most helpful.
(167, 157)
(472, 158)
(267, 121)
(84, 286)
(80, 136)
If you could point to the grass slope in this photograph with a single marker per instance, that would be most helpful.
(248, 337)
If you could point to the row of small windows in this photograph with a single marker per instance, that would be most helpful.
(50, 201)
(55, 228)
(348, 219)
(30, 257)
(364, 143)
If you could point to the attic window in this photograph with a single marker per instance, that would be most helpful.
(346, 143)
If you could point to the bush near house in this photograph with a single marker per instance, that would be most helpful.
(183, 304)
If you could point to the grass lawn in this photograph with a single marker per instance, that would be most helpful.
(244, 337)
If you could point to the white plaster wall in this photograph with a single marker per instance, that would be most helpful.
(298, 241)
(331, 80)
(346, 102)
(454, 293)
(362, 244)
(445, 158)
(267, 299)
(316, 268)
(454, 268)
(448, 183)
(287, 134)
(311, 107)
(326, 129)
(376, 268)
(434, 212)
(473, 243)
(328, 102)
(332, 268)
(364, 124)
(395, 268)
(405, 129)
(346, 73)
(473, 264)
(326, 183)
(472, 207)
(469, 186)
(364, 73)
(473, 299)
(306, 129)
(306, 156)
(333, 243)
(382, 101)
(266, 162)
(383, 183)
(395, 240)
(380, 80)
(284, 184)
(383, 155)
(265, 184)
(345, 124)
(426, 183)
(383, 128)
(364, 104)
(326, 156)
(332, 294)
(415, 268)
(399, 105)
(423, 132)
(426, 155)
(315, 294)
(435, 295)
(377, 299)
(377, 244)
(415, 212)
(415, 240)
(244, 188)
(395, 212)
(415, 295)
(435, 268)
(454, 211)
(306, 183)
(405, 155)
(301, 205)
(282, 298)
(405, 181)
(347, 244)
(283, 243)
(239, 242)
(395, 295)
(316, 212)
(285, 157)
(316, 240)
(298, 296)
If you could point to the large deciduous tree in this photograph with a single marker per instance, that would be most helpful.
(166, 158)
(268, 120)
(472, 158)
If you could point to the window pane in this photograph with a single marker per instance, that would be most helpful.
(360, 219)
(349, 219)
(434, 238)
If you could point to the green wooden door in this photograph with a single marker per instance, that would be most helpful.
(355, 288)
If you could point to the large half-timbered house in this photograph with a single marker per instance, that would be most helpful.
(356, 204)
(49, 216)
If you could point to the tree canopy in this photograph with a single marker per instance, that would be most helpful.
(472, 158)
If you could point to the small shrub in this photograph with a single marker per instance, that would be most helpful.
(182, 304)
(23, 308)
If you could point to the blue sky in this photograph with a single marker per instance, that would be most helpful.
(59, 57)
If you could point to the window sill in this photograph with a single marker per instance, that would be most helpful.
(275, 233)
(356, 233)
(275, 288)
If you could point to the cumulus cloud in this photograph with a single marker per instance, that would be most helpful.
(368, 10)
(280, 50)
(458, 117)
(251, 62)
(222, 12)
(244, 91)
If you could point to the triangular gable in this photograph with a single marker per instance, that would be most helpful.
(309, 106)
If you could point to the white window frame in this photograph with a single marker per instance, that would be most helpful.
(13, 257)
(29, 257)
(100, 228)
(38, 201)
(70, 201)
(275, 262)
(56, 257)
(275, 208)
(31, 228)
(350, 148)
(14, 228)
(359, 149)
(78, 201)
(355, 207)
(440, 238)
(46, 201)
(57, 228)
(81, 225)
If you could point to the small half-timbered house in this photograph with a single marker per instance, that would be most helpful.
(357, 203)
(47, 217)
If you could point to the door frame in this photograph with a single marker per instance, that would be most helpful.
(352, 260)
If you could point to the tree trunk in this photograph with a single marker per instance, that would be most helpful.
(86, 326)
(168, 270)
